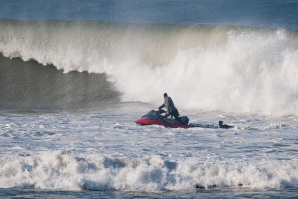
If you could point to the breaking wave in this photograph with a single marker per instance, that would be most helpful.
(63, 171)
(203, 67)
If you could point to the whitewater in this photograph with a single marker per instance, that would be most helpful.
(218, 68)
(75, 76)
(110, 152)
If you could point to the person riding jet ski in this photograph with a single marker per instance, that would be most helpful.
(171, 109)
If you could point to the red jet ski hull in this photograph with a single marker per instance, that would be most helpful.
(155, 118)
(162, 122)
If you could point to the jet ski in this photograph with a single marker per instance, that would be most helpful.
(155, 117)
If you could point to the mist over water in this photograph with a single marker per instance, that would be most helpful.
(219, 68)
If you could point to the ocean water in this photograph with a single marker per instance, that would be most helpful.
(75, 75)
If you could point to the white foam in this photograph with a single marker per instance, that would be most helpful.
(225, 69)
(60, 171)
(109, 151)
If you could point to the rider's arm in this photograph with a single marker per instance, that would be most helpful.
(163, 105)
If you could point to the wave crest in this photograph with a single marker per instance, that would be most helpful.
(209, 68)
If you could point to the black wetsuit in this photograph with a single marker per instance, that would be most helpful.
(224, 126)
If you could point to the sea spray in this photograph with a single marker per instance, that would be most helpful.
(218, 68)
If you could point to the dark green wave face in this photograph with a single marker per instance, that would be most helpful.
(32, 86)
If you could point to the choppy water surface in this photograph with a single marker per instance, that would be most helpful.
(110, 153)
